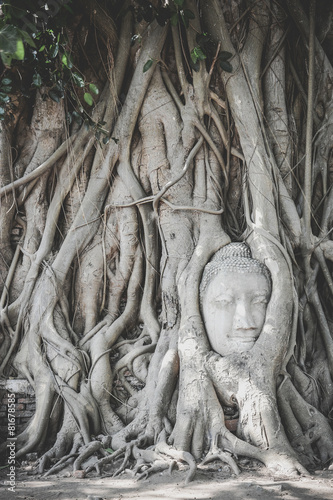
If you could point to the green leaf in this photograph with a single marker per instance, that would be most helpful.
(78, 80)
(2, 110)
(6, 81)
(93, 88)
(8, 39)
(189, 14)
(29, 25)
(109, 450)
(194, 56)
(19, 54)
(199, 53)
(54, 96)
(174, 19)
(88, 98)
(6, 59)
(6, 88)
(148, 65)
(224, 56)
(58, 89)
(106, 140)
(226, 66)
(37, 80)
(67, 61)
(27, 38)
(4, 97)
(42, 48)
(54, 49)
(179, 2)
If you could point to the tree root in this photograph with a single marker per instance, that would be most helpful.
(106, 460)
(276, 462)
(59, 449)
(215, 453)
(61, 464)
(158, 466)
(182, 456)
(155, 459)
(306, 426)
(85, 452)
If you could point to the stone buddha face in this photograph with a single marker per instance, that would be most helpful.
(234, 294)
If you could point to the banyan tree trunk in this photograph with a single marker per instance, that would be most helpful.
(100, 306)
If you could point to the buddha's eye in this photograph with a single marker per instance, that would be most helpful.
(260, 300)
(224, 301)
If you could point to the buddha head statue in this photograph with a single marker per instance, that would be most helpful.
(234, 292)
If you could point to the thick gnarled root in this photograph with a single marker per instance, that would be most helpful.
(157, 458)
(307, 428)
(58, 454)
(277, 463)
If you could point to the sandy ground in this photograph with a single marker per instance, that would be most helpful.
(214, 482)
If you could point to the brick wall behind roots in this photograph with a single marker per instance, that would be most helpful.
(25, 405)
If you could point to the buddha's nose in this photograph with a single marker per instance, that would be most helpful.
(243, 319)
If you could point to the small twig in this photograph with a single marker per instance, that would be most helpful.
(179, 63)
(194, 209)
(87, 223)
(169, 85)
(218, 100)
(214, 148)
(187, 165)
(214, 62)
(240, 18)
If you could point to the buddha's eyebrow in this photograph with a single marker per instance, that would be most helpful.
(224, 294)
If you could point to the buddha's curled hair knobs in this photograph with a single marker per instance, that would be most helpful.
(233, 258)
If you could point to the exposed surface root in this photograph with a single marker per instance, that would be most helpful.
(215, 453)
(180, 456)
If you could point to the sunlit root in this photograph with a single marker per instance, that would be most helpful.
(85, 452)
(157, 462)
(278, 463)
(163, 392)
(108, 459)
(215, 453)
(61, 464)
(179, 456)
(158, 466)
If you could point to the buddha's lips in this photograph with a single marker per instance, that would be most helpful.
(245, 339)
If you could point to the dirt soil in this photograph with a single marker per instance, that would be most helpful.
(212, 482)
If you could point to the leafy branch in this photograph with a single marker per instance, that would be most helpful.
(42, 52)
